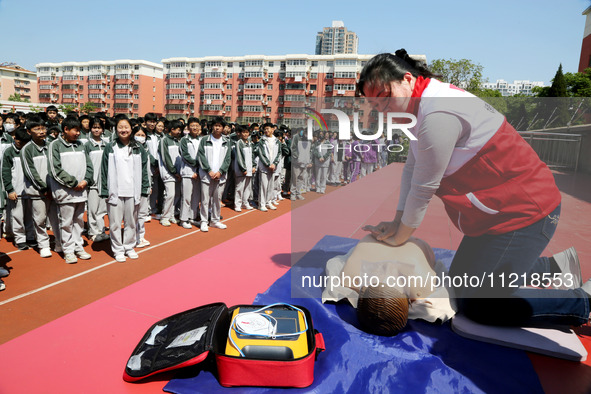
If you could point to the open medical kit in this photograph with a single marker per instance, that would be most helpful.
(250, 345)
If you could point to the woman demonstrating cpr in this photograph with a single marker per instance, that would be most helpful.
(495, 190)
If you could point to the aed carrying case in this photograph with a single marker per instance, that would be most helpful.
(229, 341)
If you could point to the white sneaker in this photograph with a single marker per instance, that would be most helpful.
(173, 221)
(263, 209)
(238, 209)
(148, 219)
(165, 222)
(142, 243)
(45, 252)
(120, 258)
(219, 225)
(275, 202)
(248, 206)
(132, 254)
(70, 258)
(186, 225)
(157, 216)
(204, 227)
(271, 206)
(83, 254)
(568, 262)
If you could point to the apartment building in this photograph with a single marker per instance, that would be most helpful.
(16, 80)
(510, 89)
(131, 87)
(258, 88)
(336, 39)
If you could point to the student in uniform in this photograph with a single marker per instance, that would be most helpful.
(269, 152)
(300, 161)
(37, 194)
(6, 140)
(139, 137)
(169, 159)
(322, 152)
(214, 161)
(244, 169)
(71, 174)
(13, 180)
(97, 206)
(124, 180)
(191, 186)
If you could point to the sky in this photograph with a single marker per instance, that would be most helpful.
(511, 39)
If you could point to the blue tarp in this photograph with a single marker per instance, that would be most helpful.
(423, 358)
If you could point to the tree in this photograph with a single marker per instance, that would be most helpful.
(65, 108)
(558, 88)
(18, 98)
(36, 109)
(88, 108)
(462, 73)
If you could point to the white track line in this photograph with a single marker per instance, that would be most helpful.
(18, 297)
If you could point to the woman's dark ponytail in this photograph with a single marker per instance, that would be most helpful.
(387, 67)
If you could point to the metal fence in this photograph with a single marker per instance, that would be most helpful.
(557, 150)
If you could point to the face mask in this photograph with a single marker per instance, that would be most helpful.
(186, 132)
(139, 139)
(9, 127)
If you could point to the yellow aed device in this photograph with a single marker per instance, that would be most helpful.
(275, 332)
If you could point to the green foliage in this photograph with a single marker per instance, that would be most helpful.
(65, 108)
(18, 98)
(461, 73)
(558, 88)
(88, 108)
(36, 109)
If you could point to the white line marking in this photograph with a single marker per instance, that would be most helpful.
(18, 297)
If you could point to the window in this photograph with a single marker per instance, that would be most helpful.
(229, 86)
(68, 87)
(329, 75)
(296, 62)
(136, 96)
(312, 87)
(175, 86)
(81, 96)
(122, 96)
(253, 86)
(240, 64)
(271, 64)
(136, 66)
(295, 86)
(213, 75)
(213, 64)
(44, 69)
(137, 77)
(250, 108)
(211, 97)
(345, 74)
(46, 79)
(230, 64)
(95, 86)
(70, 77)
(123, 86)
(346, 62)
(153, 88)
(295, 97)
(95, 96)
(270, 86)
(212, 85)
(314, 63)
(249, 74)
(177, 75)
(330, 64)
(344, 86)
(253, 63)
(95, 77)
(178, 64)
(328, 88)
(44, 87)
(69, 96)
(135, 106)
(122, 76)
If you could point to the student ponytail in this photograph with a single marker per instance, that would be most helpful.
(387, 67)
